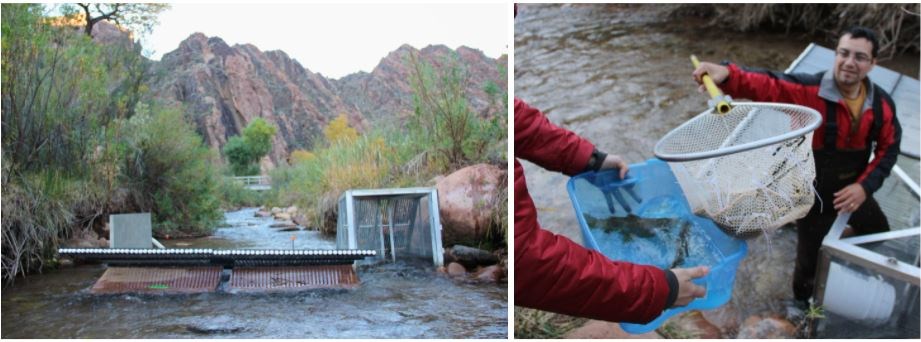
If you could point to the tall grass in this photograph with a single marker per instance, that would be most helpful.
(373, 160)
(444, 135)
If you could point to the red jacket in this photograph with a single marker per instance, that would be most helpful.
(819, 92)
(554, 273)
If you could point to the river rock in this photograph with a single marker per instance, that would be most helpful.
(594, 329)
(276, 210)
(769, 327)
(694, 324)
(468, 200)
(725, 318)
(456, 270)
(489, 274)
(291, 210)
(283, 225)
(283, 217)
(86, 239)
(300, 220)
(470, 257)
(263, 213)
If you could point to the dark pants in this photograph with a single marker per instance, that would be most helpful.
(812, 228)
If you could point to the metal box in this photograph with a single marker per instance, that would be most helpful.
(397, 223)
(130, 231)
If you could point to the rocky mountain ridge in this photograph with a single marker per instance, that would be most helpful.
(225, 87)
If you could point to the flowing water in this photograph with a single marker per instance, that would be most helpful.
(397, 300)
(620, 76)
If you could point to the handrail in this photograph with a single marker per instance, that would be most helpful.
(253, 180)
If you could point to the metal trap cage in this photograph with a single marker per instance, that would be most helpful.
(399, 223)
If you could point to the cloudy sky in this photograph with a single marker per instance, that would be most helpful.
(336, 39)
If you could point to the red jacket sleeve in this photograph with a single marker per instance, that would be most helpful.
(541, 142)
(769, 86)
(555, 274)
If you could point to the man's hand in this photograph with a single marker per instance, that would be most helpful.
(687, 290)
(615, 162)
(850, 198)
(717, 72)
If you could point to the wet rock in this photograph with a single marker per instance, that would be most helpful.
(456, 270)
(276, 210)
(489, 274)
(769, 327)
(104, 230)
(283, 217)
(300, 220)
(282, 224)
(694, 324)
(214, 329)
(85, 243)
(725, 318)
(263, 213)
(468, 200)
(288, 229)
(594, 329)
(470, 257)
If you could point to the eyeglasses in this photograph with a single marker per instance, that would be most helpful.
(861, 58)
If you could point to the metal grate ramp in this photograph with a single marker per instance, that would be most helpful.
(158, 280)
(292, 278)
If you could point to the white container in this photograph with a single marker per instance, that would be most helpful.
(858, 297)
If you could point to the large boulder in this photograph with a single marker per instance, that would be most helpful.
(468, 202)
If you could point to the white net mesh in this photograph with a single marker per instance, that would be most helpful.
(750, 170)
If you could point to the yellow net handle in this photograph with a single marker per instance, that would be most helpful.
(722, 106)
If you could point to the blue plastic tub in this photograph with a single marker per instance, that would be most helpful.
(645, 219)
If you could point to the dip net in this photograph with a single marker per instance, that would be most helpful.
(749, 170)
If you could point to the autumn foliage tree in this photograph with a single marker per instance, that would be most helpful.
(339, 131)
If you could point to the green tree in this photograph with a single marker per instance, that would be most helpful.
(244, 151)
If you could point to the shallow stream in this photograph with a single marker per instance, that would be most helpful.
(393, 301)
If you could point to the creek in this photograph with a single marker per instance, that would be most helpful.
(394, 300)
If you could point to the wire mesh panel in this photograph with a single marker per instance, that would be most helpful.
(398, 223)
(158, 280)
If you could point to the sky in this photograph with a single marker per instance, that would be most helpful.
(336, 39)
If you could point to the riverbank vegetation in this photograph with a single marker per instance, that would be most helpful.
(442, 135)
(82, 138)
(897, 25)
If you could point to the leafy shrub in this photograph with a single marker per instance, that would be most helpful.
(168, 162)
